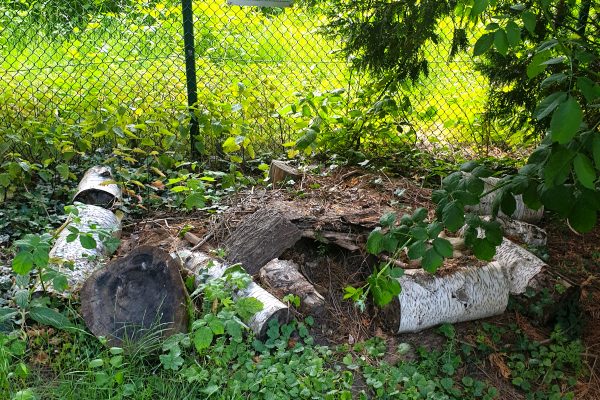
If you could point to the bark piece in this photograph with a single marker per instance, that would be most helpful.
(97, 187)
(344, 240)
(283, 277)
(197, 263)
(263, 236)
(281, 171)
(84, 261)
(522, 212)
(134, 296)
(526, 233)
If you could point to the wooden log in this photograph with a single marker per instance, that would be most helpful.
(97, 187)
(81, 261)
(281, 171)
(524, 232)
(136, 296)
(196, 263)
(521, 213)
(465, 293)
(283, 277)
(262, 236)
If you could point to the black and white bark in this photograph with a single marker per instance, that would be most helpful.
(98, 187)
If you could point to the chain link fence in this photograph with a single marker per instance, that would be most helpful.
(105, 71)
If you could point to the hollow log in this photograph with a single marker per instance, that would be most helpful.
(136, 297)
(281, 171)
(263, 236)
(83, 261)
(97, 187)
(283, 277)
(195, 263)
(521, 213)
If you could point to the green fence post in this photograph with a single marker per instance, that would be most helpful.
(190, 70)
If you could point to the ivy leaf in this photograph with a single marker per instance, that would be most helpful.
(501, 41)
(23, 263)
(443, 247)
(432, 260)
(585, 172)
(87, 242)
(566, 120)
(483, 44)
(203, 338)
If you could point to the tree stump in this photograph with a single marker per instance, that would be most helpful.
(262, 236)
(136, 296)
(282, 172)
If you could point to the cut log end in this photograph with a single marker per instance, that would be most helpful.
(139, 295)
(281, 171)
(97, 187)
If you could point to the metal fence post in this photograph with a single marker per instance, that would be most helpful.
(190, 71)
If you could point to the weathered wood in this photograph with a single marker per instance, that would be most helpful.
(261, 237)
(283, 277)
(197, 263)
(83, 261)
(97, 187)
(344, 240)
(521, 213)
(526, 233)
(135, 296)
(281, 171)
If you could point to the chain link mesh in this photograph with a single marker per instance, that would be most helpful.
(104, 71)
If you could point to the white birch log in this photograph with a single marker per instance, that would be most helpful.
(283, 277)
(84, 261)
(98, 187)
(522, 212)
(466, 293)
(273, 309)
(525, 232)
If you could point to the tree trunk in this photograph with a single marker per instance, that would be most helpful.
(98, 187)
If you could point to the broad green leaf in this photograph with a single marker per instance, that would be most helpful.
(41, 256)
(230, 145)
(375, 241)
(479, 6)
(596, 150)
(396, 272)
(419, 233)
(483, 249)
(583, 217)
(420, 214)
(248, 306)
(549, 104)
(431, 260)
(87, 242)
(508, 203)
(453, 216)
(555, 60)
(388, 219)
(443, 247)
(584, 170)
(416, 250)
(552, 79)
(566, 121)
(558, 198)
(558, 166)
(307, 139)
(513, 33)
(483, 44)
(203, 338)
(63, 171)
(195, 200)
(95, 363)
(23, 263)
(536, 66)
(501, 41)
(60, 283)
(529, 21)
(434, 229)
(47, 316)
(589, 88)
(390, 243)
